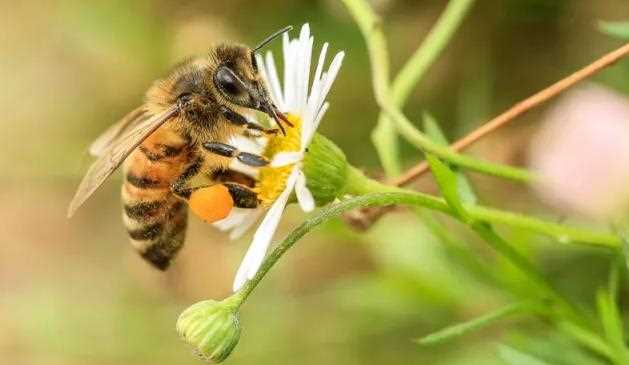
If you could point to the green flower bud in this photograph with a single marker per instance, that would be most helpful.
(326, 169)
(211, 328)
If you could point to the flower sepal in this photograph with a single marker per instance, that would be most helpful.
(326, 169)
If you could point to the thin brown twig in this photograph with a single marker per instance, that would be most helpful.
(364, 218)
(520, 108)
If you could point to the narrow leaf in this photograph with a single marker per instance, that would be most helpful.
(612, 325)
(512, 356)
(586, 338)
(448, 184)
(475, 324)
(434, 132)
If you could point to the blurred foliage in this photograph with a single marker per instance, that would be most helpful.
(74, 292)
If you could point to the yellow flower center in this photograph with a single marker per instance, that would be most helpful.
(272, 180)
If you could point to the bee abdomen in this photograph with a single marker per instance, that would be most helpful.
(157, 229)
(155, 219)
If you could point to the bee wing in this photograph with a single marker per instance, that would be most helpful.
(115, 154)
(99, 146)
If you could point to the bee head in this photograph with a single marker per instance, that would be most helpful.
(237, 80)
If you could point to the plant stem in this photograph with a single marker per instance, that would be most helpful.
(359, 184)
(384, 135)
(370, 27)
(373, 193)
(325, 214)
(526, 267)
(421, 141)
(522, 107)
(430, 49)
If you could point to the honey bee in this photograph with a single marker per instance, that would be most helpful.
(181, 132)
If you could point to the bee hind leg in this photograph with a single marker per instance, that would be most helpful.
(243, 196)
(225, 150)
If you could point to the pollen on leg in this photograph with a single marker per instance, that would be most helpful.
(211, 204)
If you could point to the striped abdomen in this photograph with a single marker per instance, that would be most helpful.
(155, 219)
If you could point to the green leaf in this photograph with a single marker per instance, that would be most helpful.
(512, 356)
(612, 325)
(434, 132)
(475, 324)
(615, 29)
(448, 184)
(586, 338)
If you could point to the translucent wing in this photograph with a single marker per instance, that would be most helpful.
(99, 146)
(115, 154)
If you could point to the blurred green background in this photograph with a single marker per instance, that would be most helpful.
(75, 292)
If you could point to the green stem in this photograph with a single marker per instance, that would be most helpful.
(501, 246)
(430, 49)
(477, 323)
(587, 338)
(372, 193)
(384, 136)
(359, 184)
(421, 141)
(561, 232)
(325, 214)
(370, 26)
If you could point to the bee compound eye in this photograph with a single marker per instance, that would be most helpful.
(228, 81)
(184, 98)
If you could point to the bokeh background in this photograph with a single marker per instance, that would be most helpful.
(75, 292)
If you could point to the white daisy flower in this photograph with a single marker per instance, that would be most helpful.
(305, 106)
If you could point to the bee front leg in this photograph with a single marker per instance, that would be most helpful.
(225, 150)
(250, 128)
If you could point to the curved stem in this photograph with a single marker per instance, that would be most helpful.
(371, 28)
(420, 140)
(384, 136)
(431, 48)
(374, 199)
(521, 108)
(372, 193)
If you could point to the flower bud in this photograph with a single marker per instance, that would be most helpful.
(211, 327)
(326, 168)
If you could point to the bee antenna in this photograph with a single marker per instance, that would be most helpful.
(270, 38)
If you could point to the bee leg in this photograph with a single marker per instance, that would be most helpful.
(239, 120)
(226, 150)
(180, 187)
(243, 196)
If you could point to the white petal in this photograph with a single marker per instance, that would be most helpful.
(313, 99)
(289, 73)
(235, 217)
(249, 220)
(302, 63)
(286, 158)
(248, 144)
(274, 80)
(263, 236)
(333, 71)
(306, 136)
(324, 51)
(304, 196)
